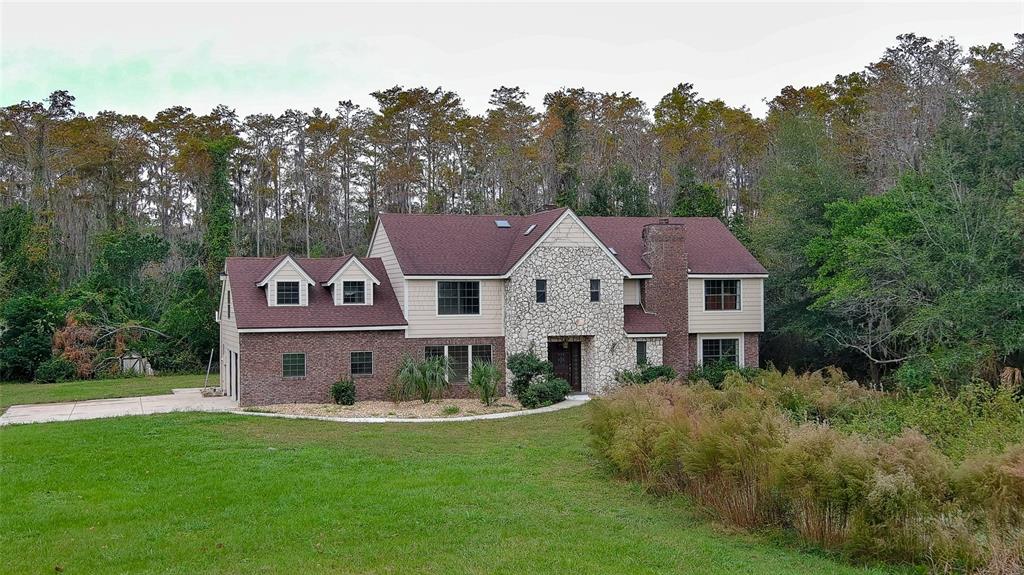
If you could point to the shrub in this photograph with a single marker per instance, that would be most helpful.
(761, 452)
(484, 381)
(645, 374)
(714, 372)
(543, 392)
(394, 391)
(425, 379)
(525, 366)
(55, 369)
(344, 392)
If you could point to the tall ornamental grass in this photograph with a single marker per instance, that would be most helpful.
(770, 450)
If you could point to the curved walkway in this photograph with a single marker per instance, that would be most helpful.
(192, 400)
(569, 402)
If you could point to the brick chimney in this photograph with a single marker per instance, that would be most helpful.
(665, 294)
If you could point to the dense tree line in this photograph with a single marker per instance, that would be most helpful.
(907, 160)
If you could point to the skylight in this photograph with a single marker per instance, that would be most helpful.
(529, 229)
(612, 250)
(502, 223)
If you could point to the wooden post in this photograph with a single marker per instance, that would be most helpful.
(209, 364)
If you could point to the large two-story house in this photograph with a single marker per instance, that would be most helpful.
(594, 295)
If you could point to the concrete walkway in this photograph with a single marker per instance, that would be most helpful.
(190, 399)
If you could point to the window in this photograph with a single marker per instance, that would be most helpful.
(287, 293)
(229, 305)
(542, 291)
(361, 363)
(458, 361)
(641, 353)
(595, 290)
(713, 350)
(458, 298)
(721, 294)
(294, 365)
(460, 358)
(353, 292)
(481, 353)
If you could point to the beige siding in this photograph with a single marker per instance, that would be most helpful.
(750, 316)
(381, 248)
(228, 330)
(424, 321)
(287, 273)
(353, 273)
(631, 292)
(568, 233)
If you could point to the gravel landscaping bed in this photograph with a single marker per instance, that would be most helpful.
(436, 408)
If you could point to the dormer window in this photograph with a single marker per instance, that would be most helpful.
(352, 284)
(287, 284)
(287, 293)
(353, 292)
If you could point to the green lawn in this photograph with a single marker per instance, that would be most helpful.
(18, 393)
(190, 493)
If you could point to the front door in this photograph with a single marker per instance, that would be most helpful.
(565, 357)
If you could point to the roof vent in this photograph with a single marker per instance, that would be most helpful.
(529, 229)
(612, 250)
(502, 223)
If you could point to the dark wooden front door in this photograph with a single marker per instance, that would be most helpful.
(565, 357)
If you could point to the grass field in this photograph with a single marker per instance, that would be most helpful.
(188, 493)
(19, 393)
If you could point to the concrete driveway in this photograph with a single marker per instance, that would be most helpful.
(179, 400)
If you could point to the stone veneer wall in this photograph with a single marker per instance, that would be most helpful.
(569, 315)
(327, 360)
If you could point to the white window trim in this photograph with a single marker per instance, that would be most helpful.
(704, 296)
(437, 297)
(469, 370)
(739, 346)
(277, 293)
(367, 292)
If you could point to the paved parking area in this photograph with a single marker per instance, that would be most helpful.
(180, 400)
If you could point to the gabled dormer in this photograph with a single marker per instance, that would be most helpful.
(352, 284)
(287, 284)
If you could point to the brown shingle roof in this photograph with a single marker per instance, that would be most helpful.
(448, 244)
(252, 312)
(637, 320)
(710, 246)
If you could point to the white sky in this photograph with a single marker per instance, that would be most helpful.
(267, 57)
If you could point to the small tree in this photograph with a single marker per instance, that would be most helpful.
(484, 381)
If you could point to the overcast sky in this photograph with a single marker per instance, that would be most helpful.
(267, 57)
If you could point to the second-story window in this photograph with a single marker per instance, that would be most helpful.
(287, 293)
(595, 290)
(458, 298)
(542, 291)
(721, 295)
(353, 292)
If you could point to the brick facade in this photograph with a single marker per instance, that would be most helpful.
(327, 361)
(751, 349)
(665, 294)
